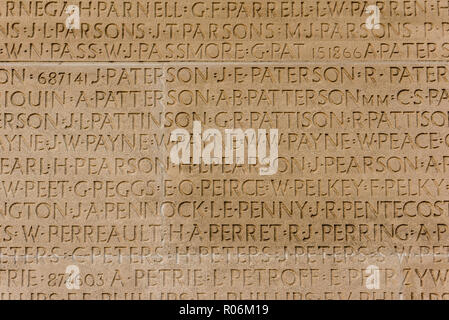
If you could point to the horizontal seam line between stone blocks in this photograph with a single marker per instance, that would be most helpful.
(309, 62)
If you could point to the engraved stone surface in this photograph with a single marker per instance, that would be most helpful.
(224, 149)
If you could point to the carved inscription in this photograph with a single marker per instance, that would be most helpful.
(224, 149)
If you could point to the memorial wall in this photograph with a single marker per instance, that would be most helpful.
(268, 150)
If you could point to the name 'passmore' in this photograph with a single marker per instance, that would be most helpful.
(207, 147)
